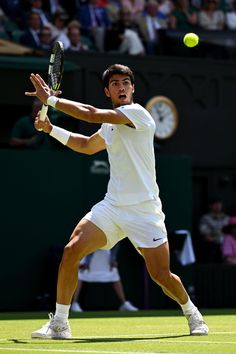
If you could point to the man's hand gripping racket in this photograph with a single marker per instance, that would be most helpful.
(55, 72)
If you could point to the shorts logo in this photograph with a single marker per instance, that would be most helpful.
(156, 239)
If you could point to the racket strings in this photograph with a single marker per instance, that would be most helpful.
(56, 73)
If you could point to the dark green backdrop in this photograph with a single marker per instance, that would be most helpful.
(43, 196)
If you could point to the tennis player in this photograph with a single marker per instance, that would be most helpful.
(131, 207)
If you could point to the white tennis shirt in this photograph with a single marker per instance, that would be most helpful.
(131, 157)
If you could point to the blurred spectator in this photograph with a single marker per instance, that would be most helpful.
(94, 22)
(229, 242)
(210, 17)
(184, 16)
(54, 6)
(13, 10)
(59, 27)
(101, 267)
(31, 36)
(113, 10)
(210, 227)
(124, 37)
(135, 7)
(24, 134)
(150, 25)
(165, 8)
(231, 17)
(36, 6)
(46, 38)
(75, 40)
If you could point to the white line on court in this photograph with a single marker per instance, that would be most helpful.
(162, 335)
(154, 335)
(83, 351)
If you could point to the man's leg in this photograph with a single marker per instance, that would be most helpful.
(158, 265)
(75, 306)
(85, 239)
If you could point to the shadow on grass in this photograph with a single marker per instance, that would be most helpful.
(95, 340)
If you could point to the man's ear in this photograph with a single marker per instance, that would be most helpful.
(133, 89)
(107, 93)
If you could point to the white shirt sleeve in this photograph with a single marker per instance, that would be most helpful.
(106, 133)
(138, 115)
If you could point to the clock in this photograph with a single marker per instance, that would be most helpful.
(165, 115)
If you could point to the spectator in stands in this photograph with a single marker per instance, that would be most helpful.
(113, 10)
(210, 228)
(165, 8)
(46, 38)
(94, 22)
(184, 16)
(150, 26)
(229, 242)
(54, 6)
(76, 45)
(210, 17)
(124, 37)
(131, 42)
(13, 10)
(36, 6)
(59, 27)
(23, 133)
(101, 267)
(231, 17)
(31, 36)
(135, 7)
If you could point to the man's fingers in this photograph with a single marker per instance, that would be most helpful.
(30, 93)
(35, 81)
(41, 80)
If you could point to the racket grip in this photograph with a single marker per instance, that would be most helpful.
(43, 112)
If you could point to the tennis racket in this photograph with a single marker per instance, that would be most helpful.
(55, 72)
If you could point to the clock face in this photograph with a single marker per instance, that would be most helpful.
(165, 115)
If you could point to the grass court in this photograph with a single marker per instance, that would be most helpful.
(115, 332)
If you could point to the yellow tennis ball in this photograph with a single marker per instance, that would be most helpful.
(191, 40)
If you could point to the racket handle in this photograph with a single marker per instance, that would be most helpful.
(43, 112)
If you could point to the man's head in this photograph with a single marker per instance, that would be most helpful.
(118, 81)
(117, 69)
(215, 205)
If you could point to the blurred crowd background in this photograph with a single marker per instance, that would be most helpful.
(134, 27)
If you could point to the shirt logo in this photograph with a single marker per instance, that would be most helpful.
(156, 239)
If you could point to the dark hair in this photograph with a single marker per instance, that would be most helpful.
(117, 69)
(214, 199)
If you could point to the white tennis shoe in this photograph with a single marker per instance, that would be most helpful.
(127, 306)
(53, 329)
(196, 324)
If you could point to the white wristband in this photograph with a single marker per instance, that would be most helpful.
(60, 134)
(52, 100)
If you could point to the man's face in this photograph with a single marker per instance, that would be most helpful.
(216, 207)
(120, 90)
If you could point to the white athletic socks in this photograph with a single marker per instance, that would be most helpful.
(62, 312)
(188, 308)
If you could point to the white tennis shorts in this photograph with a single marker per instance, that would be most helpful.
(142, 223)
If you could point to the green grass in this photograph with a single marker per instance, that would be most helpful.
(124, 333)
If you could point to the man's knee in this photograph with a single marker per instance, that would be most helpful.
(161, 276)
(72, 254)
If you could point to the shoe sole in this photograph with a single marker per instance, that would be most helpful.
(47, 337)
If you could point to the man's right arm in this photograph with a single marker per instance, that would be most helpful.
(77, 142)
(86, 145)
